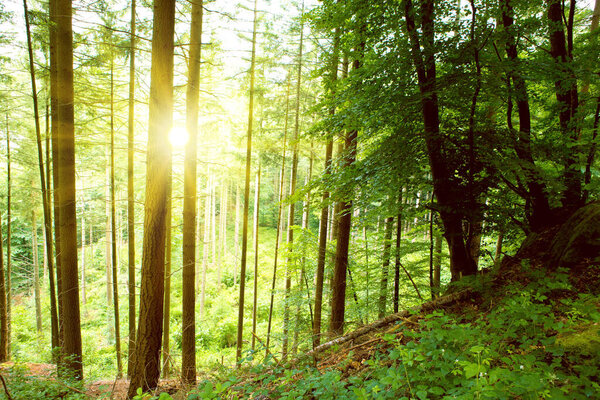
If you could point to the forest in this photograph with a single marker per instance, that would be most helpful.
(299, 199)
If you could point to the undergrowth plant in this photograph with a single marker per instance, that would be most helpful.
(538, 340)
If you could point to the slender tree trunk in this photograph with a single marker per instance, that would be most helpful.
(188, 330)
(240, 327)
(4, 353)
(498, 255)
(83, 294)
(256, 215)
(279, 215)
(236, 234)
(147, 351)
(66, 190)
(293, 178)
(45, 195)
(344, 216)
(207, 214)
(36, 273)
(113, 224)
(166, 350)
(383, 286)
(8, 281)
(325, 210)
(131, 194)
(437, 262)
(107, 235)
(567, 97)
(398, 255)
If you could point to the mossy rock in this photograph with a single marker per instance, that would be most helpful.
(585, 341)
(578, 240)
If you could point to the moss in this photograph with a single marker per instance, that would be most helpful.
(584, 341)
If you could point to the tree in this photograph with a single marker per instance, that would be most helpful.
(65, 163)
(325, 209)
(448, 191)
(113, 223)
(240, 326)
(44, 186)
(3, 312)
(146, 367)
(188, 335)
(130, 194)
(293, 179)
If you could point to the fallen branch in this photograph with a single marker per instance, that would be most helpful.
(8, 396)
(440, 301)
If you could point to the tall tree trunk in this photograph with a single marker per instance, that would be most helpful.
(66, 190)
(83, 294)
(305, 223)
(45, 195)
(4, 353)
(166, 350)
(447, 191)
(293, 178)
(188, 330)
(343, 219)
(320, 274)
(113, 223)
(540, 208)
(147, 350)
(236, 234)
(240, 326)
(383, 285)
(398, 254)
(207, 215)
(567, 97)
(107, 234)
(131, 194)
(36, 272)
(437, 262)
(58, 343)
(8, 281)
(498, 255)
(256, 215)
(279, 215)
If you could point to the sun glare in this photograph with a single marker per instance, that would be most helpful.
(178, 136)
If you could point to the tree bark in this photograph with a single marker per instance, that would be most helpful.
(188, 330)
(207, 215)
(240, 327)
(4, 353)
(66, 190)
(8, 280)
(343, 218)
(279, 217)
(567, 97)
(45, 194)
(113, 223)
(293, 179)
(255, 292)
(447, 190)
(36, 272)
(397, 253)
(383, 284)
(540, 213)
(166, 350)
(147, 351)
(130, 194)
(320, 274)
